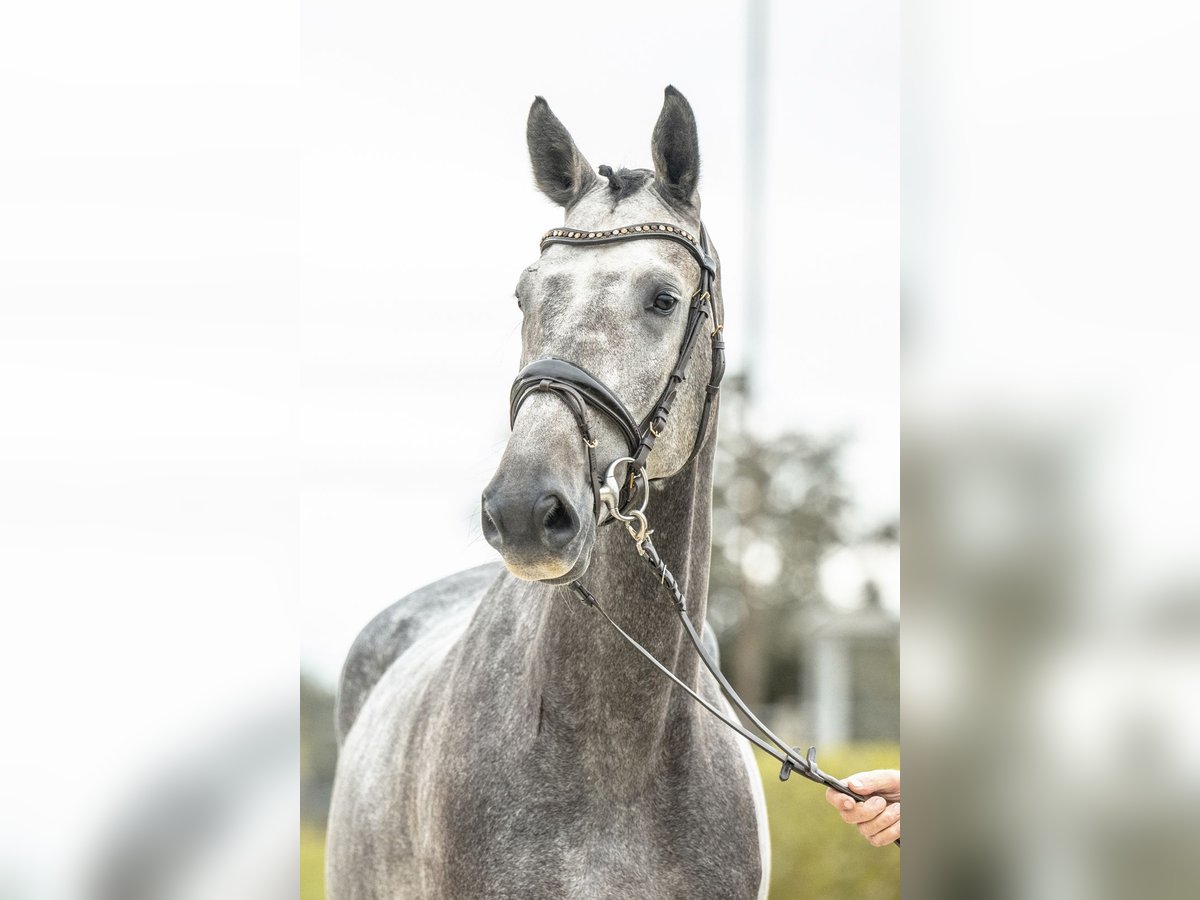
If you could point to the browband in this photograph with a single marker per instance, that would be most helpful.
(697, 246)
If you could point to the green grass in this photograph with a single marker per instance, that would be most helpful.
(813, 853)
(312, 863)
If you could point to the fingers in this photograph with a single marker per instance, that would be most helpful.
(838, 800)
(888, 834)
(859, 813)
(878, 781)
(877, 819)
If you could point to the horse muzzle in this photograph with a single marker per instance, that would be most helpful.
(538, 510)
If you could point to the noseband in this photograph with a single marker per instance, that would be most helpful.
(580, 389)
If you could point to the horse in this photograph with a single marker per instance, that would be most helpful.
(495, 742)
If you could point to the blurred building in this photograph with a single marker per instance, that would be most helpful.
(850, 634)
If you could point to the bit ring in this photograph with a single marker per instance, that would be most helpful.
(610, 492)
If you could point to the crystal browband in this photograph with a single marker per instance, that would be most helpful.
(572, 235)
(696, 246)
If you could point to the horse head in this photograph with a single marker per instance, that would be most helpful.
(619, 310)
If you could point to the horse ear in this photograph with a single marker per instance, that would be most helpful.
(559, 168)
(676, 148)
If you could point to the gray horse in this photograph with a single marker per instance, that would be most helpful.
(497, 739)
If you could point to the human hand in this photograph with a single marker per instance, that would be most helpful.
(878, 817)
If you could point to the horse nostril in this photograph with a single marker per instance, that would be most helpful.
(558, 522)
(491, 531)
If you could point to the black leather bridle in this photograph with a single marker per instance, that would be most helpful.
(580, 390)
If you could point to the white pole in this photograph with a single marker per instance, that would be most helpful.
(755, 178)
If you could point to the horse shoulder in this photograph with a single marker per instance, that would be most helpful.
(394, 630)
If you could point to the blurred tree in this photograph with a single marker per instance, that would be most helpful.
(318, 750)
(778, 506)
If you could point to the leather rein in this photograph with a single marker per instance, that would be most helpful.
(580, 390)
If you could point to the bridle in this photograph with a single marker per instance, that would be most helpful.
(580, 390)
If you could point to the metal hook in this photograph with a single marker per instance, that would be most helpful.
(640, 533)
(610, 493)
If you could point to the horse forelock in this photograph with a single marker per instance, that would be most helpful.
(632, 195)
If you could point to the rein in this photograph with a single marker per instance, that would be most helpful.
(579, 389)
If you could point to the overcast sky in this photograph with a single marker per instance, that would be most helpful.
(415, 125)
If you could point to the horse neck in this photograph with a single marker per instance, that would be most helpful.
(598, 693)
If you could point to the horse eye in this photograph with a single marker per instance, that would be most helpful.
(665, 302)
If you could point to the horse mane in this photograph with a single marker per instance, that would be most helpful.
(624, 183)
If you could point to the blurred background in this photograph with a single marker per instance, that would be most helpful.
(1051, 620)
(231, 318)
(223, 289)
